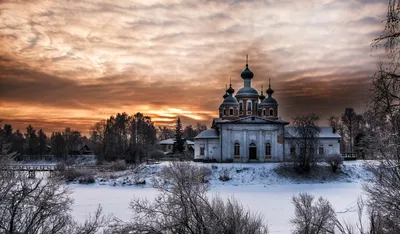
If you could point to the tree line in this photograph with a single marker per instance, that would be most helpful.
(35, 143)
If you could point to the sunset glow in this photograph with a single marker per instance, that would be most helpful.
(73, 63)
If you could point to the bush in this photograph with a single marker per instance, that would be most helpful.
(205, 174)
(334, 160)
(224, 176)
(156, 154)
(118, 165)
(71, 174)
(87, 179)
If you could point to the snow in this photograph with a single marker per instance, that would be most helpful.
(259, 188)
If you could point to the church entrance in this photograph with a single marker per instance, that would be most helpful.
(252, 151)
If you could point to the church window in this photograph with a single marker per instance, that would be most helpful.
(231, 111)
(271, 112)
(248, 105)
(240, 106)
(267, 149)
(202, 150)
(224, 112)
(264, 112)
(321, 150)
(255, 105)
(236, 149)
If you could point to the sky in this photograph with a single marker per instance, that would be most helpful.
(67, 63)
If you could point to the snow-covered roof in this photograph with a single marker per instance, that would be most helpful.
(210, 133)
(171, 141)
(326, 132)
(250, 120)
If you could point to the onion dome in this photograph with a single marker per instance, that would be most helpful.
(269, 91)
(270, 100)
(247, 91)
(230, 100)
(261, 97)
(226, 94)
(230, 91)
(246, 73)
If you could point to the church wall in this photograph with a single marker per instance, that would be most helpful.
(211, 148)
(245, 134)
(331, 146)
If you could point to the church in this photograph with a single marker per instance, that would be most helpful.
(249, 129)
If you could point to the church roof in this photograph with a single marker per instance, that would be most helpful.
(230, 100)
(210, 133)
(269, 100)
(326, 132)
(171, 141)
(246, 91)
(250, 120)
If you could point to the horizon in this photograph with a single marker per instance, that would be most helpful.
(71, 65)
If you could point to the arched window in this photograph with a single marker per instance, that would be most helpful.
(321, 149)
(240, 106)
(255, 105)
(224, 111)
(236, 148)
(267, 149)
(231, 111)
(264, 112)
(249, 105)
(271, 112)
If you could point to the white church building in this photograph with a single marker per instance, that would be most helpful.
(249, 129)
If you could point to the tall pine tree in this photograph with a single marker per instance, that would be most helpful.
(179, 144)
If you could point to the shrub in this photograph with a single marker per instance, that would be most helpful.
(225, 176)
(205, 174)
(71, 174)
(118, 165)
(334, 160)
(87, 179)
(156, 154)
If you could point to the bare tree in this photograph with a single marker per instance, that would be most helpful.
(38, 205)
(183, 207)
(313, 217)
(306, 135)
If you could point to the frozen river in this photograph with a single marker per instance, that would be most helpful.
(272, 201)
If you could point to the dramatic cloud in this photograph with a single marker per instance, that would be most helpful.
(71, 63)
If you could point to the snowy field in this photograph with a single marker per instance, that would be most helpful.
(269, 195)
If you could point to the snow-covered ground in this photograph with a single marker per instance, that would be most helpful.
(257, 186)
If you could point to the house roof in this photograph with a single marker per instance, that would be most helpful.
(326, 132)
(171, 141)
(210, 133)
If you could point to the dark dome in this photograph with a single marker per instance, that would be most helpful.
(269, 100)
(261, 97)
(270, 91)
(246, 73)
(247, 90)
(225, 95)
(230, 90)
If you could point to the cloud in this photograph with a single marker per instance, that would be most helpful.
(92, 59)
